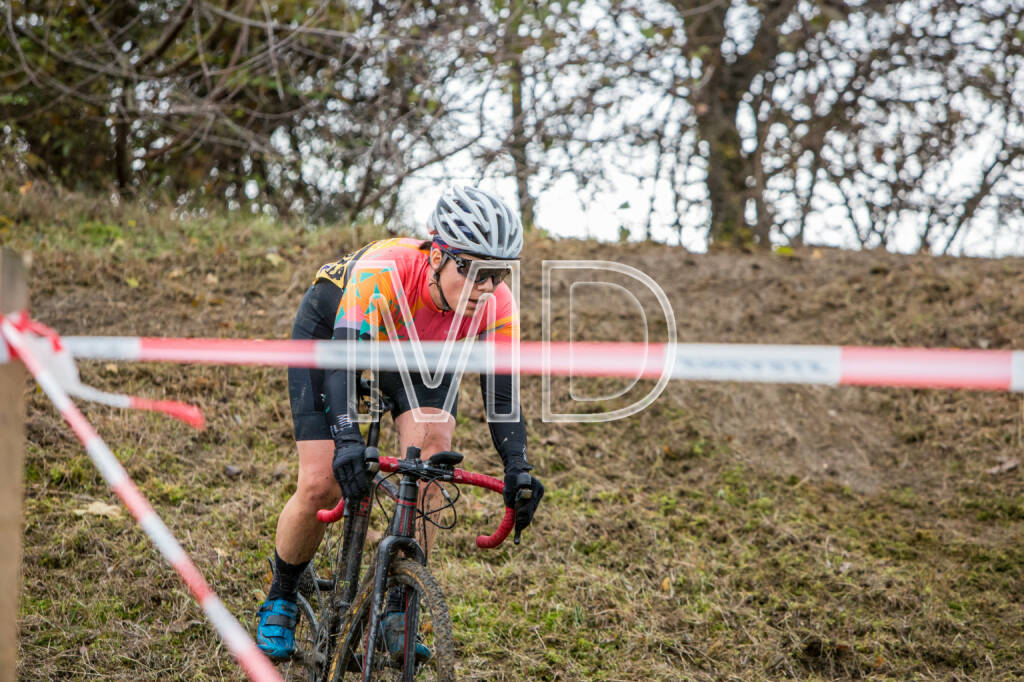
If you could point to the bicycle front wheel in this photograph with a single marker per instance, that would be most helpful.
(432, 626)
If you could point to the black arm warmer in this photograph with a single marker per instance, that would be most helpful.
(340, 412)
(509, 438)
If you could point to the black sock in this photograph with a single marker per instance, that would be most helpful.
(286, 579)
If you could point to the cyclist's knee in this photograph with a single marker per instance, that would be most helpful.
(434, 438)
(318, 492)
(429, 436)
(436, 442)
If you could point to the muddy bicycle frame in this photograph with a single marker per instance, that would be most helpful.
(400, 537)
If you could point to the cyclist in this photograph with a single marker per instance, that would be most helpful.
(416, 283)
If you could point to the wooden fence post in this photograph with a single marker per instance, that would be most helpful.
(13, 297)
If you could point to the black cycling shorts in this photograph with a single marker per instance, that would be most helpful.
(315, 320)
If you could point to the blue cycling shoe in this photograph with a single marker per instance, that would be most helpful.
(392, 628)
(275, 634)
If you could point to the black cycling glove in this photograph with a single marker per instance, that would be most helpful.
(349, 463)
(527, 491)
(350, 470)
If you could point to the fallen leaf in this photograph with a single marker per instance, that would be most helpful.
(175, 273)
(212, 279)
(666, 585)
(181, 626)
(24, 189)
(98, 508)
(274, 259)
(1004, 467)
(110, 367)
(132, 282)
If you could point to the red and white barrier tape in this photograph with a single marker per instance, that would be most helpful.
(238, 642)
(50, 351)
(999, 370)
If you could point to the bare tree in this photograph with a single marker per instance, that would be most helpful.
(543, 82)
(856, 120)
(776, 121)
(324, 108)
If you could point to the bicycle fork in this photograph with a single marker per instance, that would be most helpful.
(401, 538)
(357, 520)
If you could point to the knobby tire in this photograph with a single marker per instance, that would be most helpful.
(434, 624)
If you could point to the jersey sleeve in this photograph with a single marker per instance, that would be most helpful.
(369, 293)
(507, 435)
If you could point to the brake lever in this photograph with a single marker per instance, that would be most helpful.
(372, 457)
(523, 495)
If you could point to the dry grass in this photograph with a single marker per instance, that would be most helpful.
(729, 531)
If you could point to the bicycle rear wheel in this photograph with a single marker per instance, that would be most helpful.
(302, 667)
(433, 629)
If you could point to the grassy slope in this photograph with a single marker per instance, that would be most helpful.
(729, 531)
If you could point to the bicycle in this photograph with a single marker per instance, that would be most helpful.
(338, 634)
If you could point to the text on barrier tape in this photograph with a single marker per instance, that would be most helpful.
(1000, 370)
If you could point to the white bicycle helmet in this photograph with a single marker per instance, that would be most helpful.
(477, 222)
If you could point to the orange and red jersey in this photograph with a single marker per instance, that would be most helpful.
(392, 278)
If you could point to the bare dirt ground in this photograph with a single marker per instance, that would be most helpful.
(728, 531)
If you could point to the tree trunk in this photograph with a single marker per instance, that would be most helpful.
(518, 146)
(733, 176)
(728, 170)
(716, 102)
(122, 153)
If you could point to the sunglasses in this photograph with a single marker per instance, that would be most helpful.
(496, 274)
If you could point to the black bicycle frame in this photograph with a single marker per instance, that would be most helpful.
(357, 514)
(400, 538)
